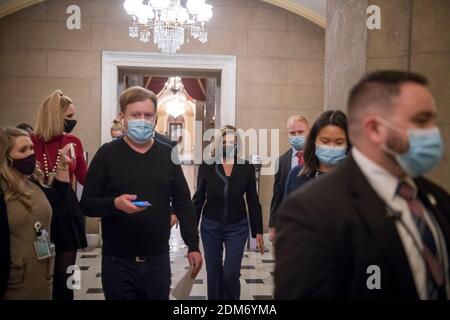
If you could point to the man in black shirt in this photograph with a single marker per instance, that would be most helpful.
(136, 262)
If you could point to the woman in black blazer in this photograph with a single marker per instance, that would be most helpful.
(219, 199)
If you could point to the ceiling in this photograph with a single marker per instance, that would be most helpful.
(313, 10)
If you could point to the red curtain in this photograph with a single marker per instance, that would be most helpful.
(156, 84)
(195, 88)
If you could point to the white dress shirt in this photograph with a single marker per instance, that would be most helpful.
(385, 185)
(294, 159)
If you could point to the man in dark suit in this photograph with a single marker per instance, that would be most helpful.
(373, 228)
(297, 130)
(164, 139)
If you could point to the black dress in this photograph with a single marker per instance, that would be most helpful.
(68, 225)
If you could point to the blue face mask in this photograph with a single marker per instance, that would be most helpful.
(140, 130)
(329, 155)
(297, 142)
(426, 148)
(229, 151)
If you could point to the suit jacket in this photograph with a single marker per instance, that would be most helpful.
(55, 195)
(331, 230)
(284, 166)
(162, 138)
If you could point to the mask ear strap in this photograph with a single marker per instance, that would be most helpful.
(390, 125)
(9, 161)
(389, 151)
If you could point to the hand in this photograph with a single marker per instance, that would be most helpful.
(65, 158)
(260, 243)
(123, 203)
(272, 235)
(195, 260)
(173, 220)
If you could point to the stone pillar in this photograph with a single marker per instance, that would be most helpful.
(345, 49)
(413, 36)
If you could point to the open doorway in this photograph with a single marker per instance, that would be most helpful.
(218, 72)
(219, 67)
(188, 102)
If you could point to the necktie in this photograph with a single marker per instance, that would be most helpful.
(435, 272)
(300, 160)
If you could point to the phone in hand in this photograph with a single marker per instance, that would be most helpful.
(142, 204)
(72, 151)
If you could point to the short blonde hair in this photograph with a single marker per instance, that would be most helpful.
(117, 126)
(50, 118)
(136, 94)
(297, 118)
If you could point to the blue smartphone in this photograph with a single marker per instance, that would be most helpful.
(142, 204)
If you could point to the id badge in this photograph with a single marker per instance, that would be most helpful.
(42, 248)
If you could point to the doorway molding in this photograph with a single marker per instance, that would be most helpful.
(113, 60)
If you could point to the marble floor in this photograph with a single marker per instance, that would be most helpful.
(256, 272)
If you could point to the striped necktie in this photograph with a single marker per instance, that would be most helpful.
(435, 272)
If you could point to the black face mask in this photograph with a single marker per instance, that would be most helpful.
(229, 152)
(26, 165)
(69, 124)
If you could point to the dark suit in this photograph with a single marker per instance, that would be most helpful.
(162, 138)
(284, 166)
(331, 230)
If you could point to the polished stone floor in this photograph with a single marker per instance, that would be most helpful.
(256, 272)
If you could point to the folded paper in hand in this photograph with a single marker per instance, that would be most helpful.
(184, 286)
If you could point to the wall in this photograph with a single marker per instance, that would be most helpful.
(430, 55)
(279, 56)
(413, 36)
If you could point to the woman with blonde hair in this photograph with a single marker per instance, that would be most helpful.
(219, 201)
(55, 121)
(26, 205)
(117, 129)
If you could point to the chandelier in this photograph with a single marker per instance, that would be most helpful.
(176, 105)
(168, 20)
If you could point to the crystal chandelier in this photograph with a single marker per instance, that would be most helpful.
(176, 106)
(168, 20)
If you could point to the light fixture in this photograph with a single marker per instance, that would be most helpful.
(178, 100)
(176, 106)
(168, 20)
